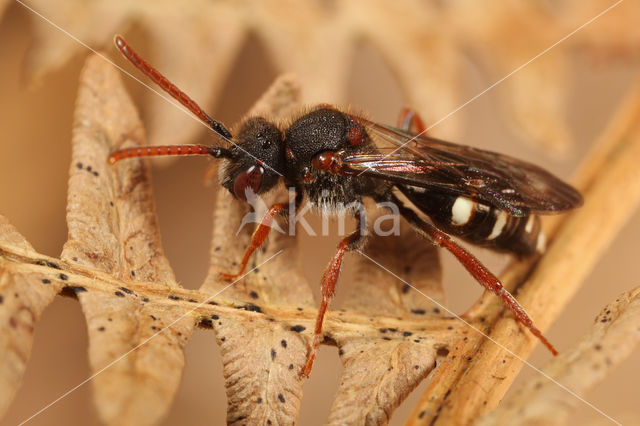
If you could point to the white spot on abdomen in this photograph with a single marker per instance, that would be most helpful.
(529, 226)
(501, 221)
(541, 242)
(462, 211)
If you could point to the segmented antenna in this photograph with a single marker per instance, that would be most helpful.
(169, 87)
(153, 151)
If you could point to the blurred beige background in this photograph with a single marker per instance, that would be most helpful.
(34, 159)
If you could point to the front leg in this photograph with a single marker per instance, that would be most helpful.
(261, 233)
(328, 285)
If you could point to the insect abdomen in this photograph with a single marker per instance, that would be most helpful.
(478, 223)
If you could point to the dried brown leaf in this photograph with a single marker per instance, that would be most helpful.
(540, 401)
(114, 265)
(426, 44)
(23, 297)
(113, 229)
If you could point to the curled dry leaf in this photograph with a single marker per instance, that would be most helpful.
(540, 401)
(426, 44)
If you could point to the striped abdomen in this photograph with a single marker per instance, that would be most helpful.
(478, 223)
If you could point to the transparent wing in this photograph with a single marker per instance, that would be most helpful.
(504, 182)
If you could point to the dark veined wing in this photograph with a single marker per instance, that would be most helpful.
(498, 180)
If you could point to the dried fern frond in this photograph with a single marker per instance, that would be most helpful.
(113, 264)
(389, 339)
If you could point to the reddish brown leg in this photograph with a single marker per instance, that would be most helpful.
(328, 286)
(410, 121)
(475, 268)
(259, 235)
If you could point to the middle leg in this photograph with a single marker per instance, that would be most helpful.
(328, 285)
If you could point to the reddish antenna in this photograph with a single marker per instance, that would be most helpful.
(181, 97)
(169, 87)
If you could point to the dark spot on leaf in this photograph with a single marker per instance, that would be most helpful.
(422, 414)
(450, 327)
(100, 328)
(442, 352)
(407, 333)
(300, 309)
(598, 347)
(193, 301)
(416, 341)
(212, 303)
(290, 366)
(417, 367)
(418, 311)
(46, 281)
(253, 294)
(268, 421)
(119, 294)
(153, 327)
(298, 328)
(436, 310)
(383, 330)
(109, 319)
(259, 400)
(48, 264)
(1, 298)
(153, 317)
(145, 299)
(406, 288)
(273, 354)
(205, 323)
(63, 277)
(222, 339)
(281, 397)
(133, 273)
(111, 203)
(341, 352)
(482, 319)
(95, 174)
(78, 289)
(215, 317)
(174, 297)
(89, 168)
(79, 165)
(126, 290)
(283, 343)
(393, 330)
(386, 338)
(216, 249)
(250, 307)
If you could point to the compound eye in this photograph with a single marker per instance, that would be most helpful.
(249, 180)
